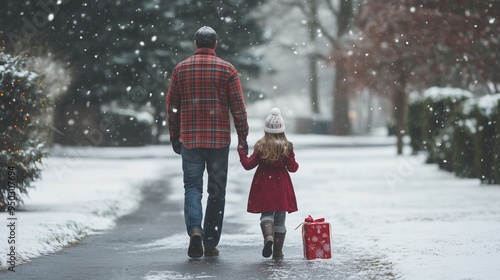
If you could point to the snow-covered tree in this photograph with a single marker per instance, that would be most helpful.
(22, 102)
(120, 51)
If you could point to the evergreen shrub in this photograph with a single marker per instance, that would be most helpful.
(485, 137)
(463, 140)
(459, 133)
(496, 148)
(439, 116)
(22, 102)
(416, 118)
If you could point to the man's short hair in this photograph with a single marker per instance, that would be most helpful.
(205, 37)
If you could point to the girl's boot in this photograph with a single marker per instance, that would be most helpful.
(268, 232)
(279, 239)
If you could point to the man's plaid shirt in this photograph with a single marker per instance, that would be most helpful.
(203, 90)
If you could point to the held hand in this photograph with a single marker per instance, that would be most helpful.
(244, 147)
(176, 145)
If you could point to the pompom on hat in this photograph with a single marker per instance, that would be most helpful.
(274, 122)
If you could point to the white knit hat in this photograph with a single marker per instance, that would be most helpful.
(274, 122)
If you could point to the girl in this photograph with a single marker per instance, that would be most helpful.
(271, 193)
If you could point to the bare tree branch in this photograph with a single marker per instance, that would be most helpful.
(330, 7)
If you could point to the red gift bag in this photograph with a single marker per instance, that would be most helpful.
(316, 239)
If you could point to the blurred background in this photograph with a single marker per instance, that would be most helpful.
(340, 67)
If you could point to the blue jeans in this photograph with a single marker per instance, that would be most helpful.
(278, 217)
(193, 166)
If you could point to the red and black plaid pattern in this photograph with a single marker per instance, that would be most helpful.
(203, 90)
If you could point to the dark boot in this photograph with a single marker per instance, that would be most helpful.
(268, 232)
(195, 249)
(211, 251)
(279, 239)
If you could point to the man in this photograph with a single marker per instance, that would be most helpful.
(204, 89)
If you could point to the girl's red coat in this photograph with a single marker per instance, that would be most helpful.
(271, 188)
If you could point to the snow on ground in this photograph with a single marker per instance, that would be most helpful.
(426, 222)
(393, 211)
(82, 191)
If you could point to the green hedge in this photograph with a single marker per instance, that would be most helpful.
(485, 138)
(496, 148)
(416, 118)
(459, 133)
(430, 117)
(463, 140)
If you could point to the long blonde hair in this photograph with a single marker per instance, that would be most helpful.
(272, 147)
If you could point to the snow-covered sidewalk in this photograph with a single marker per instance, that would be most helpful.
(425, 222)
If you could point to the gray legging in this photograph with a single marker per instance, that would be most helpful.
(278, 217)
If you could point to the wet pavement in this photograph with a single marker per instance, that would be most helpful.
(131, 250)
